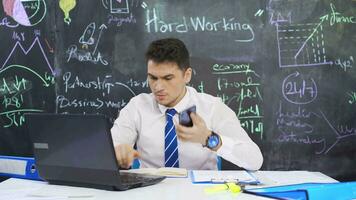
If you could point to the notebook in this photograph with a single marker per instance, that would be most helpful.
(77, 150)
(163, 171)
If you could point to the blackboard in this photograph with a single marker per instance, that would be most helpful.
(287, 68)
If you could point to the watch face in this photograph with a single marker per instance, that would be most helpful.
(213, 141)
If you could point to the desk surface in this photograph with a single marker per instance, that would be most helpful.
(170, 188)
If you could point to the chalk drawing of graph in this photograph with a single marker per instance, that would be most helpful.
(301, 45)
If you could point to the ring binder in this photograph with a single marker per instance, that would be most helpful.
(18, 167)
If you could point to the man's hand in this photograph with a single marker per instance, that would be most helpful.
(197, 133)
(125, 155)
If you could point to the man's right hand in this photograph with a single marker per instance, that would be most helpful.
(125, 155)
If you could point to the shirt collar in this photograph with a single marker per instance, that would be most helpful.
(181, 105)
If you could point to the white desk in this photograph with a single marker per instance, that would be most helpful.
(170, 188)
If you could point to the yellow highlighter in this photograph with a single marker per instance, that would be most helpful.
(231, 186)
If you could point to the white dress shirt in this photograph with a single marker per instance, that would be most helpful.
(142, 121)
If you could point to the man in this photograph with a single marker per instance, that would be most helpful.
(151, 120)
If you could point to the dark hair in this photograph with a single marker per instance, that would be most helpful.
(169, 49)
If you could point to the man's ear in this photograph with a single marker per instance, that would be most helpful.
(188, 75)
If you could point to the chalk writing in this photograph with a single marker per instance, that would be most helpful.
(352, 97)
(16, 117)
(12, 90)
(96, 103)
(119, 21)
(233, 69)
(102, 86)
(341, 132)
(18, 36)
(335, 17)
(223, 83)
(5, 22)
(298, 90)
(296, 121)
(345, 64)
(238, 86)
(305, 139)
(37, 32)
(294, 126)
(198, 24)
(84, 56)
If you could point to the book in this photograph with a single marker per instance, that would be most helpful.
(163, 171)
(236, 176)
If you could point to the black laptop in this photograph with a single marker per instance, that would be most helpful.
(77, 150)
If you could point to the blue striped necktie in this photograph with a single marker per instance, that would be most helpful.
(170, 141)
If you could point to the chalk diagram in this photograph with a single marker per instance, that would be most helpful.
(301, 45)
(26, 12)
(14, 86)
(117, 6)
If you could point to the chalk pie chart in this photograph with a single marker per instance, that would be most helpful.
(25, 12)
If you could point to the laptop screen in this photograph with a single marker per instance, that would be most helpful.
(70, 140)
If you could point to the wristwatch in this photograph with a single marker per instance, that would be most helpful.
(212, 141)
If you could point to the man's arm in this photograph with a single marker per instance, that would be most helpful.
(234, 145)
(237, 147)
(124, 136)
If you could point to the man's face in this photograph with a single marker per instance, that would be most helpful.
(167, 82)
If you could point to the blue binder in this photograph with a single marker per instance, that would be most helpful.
(309, 191)
(18, 167)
